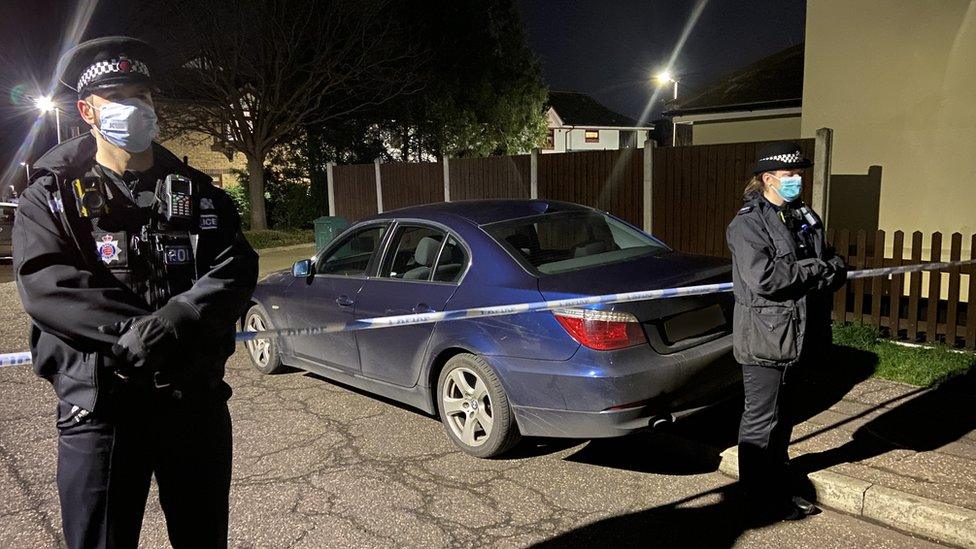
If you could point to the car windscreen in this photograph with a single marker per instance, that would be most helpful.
(568, 241)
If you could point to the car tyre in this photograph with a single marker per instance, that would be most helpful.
(263, 352)
(474, 408)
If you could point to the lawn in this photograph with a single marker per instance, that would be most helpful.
(274, 238)
(922, 366)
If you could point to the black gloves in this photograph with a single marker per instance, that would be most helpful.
(836, 274)
(148, 342)
(144, 341)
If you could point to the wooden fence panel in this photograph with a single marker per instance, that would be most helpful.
(840, 298)
(355, 191)
(490, 177)
(859, 283)
(606, 180)
(971, 320)
(410, 184)
(935, 291)
(877, 283)
(698, 189)
(915, 286)
(952, 307)
(897, 281)
(899, 303)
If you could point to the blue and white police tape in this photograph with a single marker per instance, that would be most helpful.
(14, 359)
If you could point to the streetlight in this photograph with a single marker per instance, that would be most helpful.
(664, 78)
(26, 167)
(45, 104)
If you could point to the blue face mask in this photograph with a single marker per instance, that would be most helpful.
(129, 124)
(790, 187)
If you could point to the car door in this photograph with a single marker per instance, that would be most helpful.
(330, 296)
(421, 270)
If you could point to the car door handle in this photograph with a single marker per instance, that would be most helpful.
(345, 301)
(422, 308)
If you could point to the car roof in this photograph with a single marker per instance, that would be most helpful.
(11, 204)
(482, 212)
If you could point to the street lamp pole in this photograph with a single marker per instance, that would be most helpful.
(46, 104)
(665, 77)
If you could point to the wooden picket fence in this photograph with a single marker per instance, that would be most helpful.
(900, 304)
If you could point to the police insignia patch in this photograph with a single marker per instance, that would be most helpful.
(108, 249)
(208, 221)
(206, 204)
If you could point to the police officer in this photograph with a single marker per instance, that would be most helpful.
(133, 310)
(783, 275)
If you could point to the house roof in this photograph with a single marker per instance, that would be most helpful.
(775, 81)
(579, 109)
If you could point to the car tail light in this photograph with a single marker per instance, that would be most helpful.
(601, 330)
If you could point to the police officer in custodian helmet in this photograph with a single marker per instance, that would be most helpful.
(133, 269)
(783, 275)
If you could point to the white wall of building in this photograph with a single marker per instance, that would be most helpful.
(568, 140)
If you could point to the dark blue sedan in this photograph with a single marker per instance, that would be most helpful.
(582, 373)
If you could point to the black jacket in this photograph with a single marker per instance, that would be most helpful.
(782, 301)
(69, 293)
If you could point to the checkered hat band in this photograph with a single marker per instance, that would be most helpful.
(109, 67)
(788, 158)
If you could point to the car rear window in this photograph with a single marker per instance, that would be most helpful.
(567, 241)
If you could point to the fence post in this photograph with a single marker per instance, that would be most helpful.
(447, 178)
(648, 186)
(330, 178)
(534, 174)
(379, 187)
(821, 173)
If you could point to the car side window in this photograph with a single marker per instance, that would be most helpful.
(412, 253)
(352, 256)
(7, 214)
(451, 263)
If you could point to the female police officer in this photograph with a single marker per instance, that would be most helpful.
(783, 274)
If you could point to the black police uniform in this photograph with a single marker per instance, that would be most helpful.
(783, 274)
(119, 425)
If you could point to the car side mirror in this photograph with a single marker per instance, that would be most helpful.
(302, 268)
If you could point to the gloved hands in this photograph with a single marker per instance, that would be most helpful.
(144, 341)
(836, 274)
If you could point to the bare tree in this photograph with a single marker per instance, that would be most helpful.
(253, 74)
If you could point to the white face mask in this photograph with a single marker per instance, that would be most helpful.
(129, 124)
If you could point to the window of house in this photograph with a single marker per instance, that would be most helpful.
(550, 143)
(592, 136)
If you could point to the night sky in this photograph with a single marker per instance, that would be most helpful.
(608, 49)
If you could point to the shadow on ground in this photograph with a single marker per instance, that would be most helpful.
(925, 420)
(708, 519)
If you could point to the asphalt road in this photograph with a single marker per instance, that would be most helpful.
(320, 465)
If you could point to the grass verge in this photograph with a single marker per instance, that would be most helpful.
(917, 366)
(275, 238)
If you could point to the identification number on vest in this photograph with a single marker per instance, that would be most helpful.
(177, 255)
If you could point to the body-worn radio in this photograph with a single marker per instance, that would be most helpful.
(166, 242)
(172, 268)
(89, 193)
(174, 195)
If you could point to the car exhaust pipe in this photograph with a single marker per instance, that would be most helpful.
(657, 422)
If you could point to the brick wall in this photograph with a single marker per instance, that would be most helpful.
(198, 148)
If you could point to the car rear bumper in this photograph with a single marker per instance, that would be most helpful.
(606, 394)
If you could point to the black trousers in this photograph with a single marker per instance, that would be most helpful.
(106, 461)
(764, 433)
